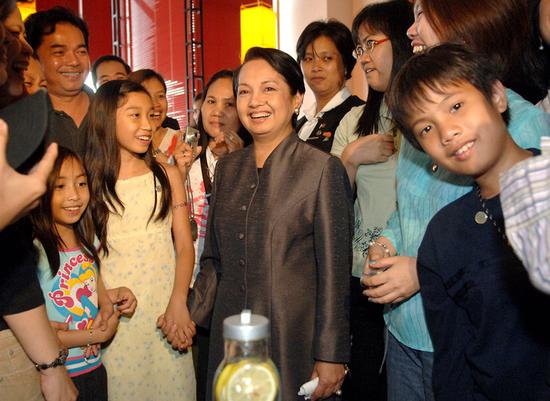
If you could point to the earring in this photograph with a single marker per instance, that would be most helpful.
(434, 167)
(541, 44)
(297, 110)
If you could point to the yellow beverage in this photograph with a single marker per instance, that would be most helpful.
(246, 373)
(247, 380)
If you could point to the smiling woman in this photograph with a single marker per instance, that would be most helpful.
(296, 197)
(497, 29)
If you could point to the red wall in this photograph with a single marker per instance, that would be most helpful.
(42, 5)
(221, 35)
(97, 14)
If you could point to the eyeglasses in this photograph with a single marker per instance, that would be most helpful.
(367, 47)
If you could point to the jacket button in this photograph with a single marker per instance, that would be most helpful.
(241, 236)
(241, 262)
(243, 288)
(243, 208)
(252, 186)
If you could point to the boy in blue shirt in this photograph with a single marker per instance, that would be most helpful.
(486, 321)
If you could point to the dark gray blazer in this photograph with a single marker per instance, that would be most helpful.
(279, 242)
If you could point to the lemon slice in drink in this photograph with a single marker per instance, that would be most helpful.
(252, 382)
(221, 381)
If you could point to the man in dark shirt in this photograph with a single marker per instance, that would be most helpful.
(60, 39)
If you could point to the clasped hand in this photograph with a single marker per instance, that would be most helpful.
(176, 324)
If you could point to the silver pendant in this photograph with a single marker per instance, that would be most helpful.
(481, 217)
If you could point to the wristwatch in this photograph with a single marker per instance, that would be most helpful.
(59, 361)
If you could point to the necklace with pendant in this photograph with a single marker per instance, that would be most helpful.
(484, 214)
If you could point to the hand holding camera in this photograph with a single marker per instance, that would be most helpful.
(187, 150)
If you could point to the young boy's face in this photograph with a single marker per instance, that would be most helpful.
(460, 128)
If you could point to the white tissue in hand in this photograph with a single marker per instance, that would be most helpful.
(308, 388)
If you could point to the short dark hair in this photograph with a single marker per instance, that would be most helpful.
(43, 23)
(140, 76)
(335, 31)
(281, 62)
(105, 59)
(432, 71)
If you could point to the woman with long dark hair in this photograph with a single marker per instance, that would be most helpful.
(367, 142)
(220, 133)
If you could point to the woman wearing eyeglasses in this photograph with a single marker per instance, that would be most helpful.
(325, 53)
(366, 141)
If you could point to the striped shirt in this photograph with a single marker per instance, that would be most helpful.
(525, 198)
(71, 297)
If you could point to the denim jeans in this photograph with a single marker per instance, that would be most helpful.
(409, 372)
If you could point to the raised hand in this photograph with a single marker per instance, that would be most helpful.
(20, 193)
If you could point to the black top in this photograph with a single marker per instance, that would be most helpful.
(170, 122)
(322, 135)
(19, 287)
(63, 130)
(278, 242)
(487, 322)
